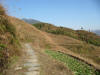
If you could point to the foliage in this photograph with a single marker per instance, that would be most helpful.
(78, 67)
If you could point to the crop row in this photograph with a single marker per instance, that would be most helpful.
(77, 66)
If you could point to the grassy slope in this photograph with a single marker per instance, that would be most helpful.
(79, 47)
(86, 36)
(40, 41)
(8, 41)
(69, 40)
(28, 33)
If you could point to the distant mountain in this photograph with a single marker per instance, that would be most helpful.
(30, 21)
(97, 32)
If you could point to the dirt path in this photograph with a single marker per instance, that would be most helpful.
(36, 62)
(29, 64)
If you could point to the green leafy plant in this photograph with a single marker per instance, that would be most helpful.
(78, 67)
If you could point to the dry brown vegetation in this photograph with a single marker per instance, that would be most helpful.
(41, 40)
(28, 33)
(25, 33)
(82, 35)
(8, 41)
(13, 29)
(79, 47)
(70, 43)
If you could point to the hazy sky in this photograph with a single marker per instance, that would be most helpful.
(67, 13)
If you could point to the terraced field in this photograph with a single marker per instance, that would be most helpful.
(78, 67)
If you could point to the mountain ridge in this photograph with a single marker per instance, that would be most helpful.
(97, 32)
(30, 21)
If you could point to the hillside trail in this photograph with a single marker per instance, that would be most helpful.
(31, 61)
(35, 62)
(29, 65)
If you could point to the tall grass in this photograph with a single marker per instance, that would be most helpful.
(8, 40)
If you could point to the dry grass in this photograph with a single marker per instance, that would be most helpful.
(88, 52)
(28, 33)
(88, 37)
(41, 40)
(8, 40)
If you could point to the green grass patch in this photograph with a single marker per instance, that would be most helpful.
(78, 67)
(2, 46)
